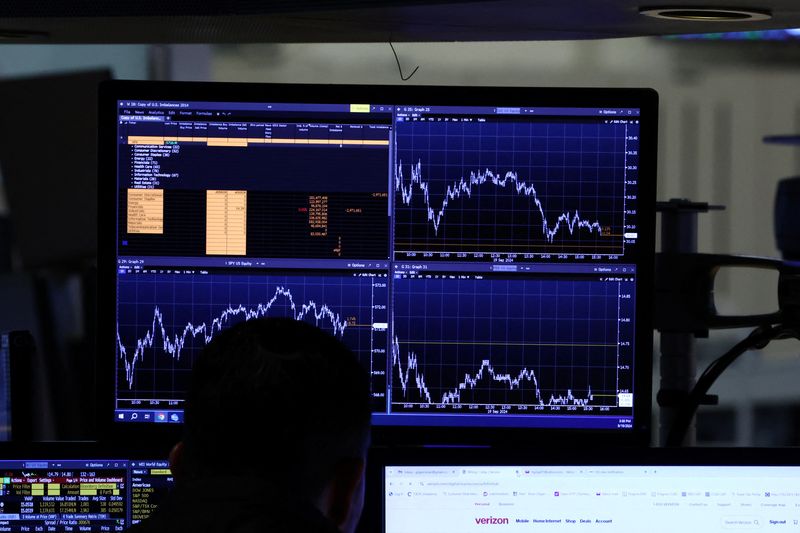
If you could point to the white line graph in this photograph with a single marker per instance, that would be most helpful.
(172, 345)
(464, 186)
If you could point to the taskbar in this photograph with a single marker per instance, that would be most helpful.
(157, 416)
(576, 421)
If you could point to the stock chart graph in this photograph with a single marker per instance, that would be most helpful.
(493, 187)
(165, 319)
(467, 343)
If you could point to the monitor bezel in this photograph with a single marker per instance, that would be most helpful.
(546, 455)
(77, 450)
(645, 99)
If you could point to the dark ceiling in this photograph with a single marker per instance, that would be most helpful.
(227, 21)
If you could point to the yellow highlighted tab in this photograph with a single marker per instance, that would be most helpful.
(145, 139)
(160, 472)
(359, 108)
(96, 486)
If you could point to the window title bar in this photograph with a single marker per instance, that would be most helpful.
(399, 110)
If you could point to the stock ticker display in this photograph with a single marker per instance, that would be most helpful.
(478, 260)
(80, 495)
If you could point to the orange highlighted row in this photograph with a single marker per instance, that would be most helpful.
(226, 222)
(243, 142)
(146, 211)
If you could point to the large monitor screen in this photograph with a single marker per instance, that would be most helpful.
(622, 499)
(486, 253)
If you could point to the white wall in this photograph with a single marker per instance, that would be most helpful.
(126, 61)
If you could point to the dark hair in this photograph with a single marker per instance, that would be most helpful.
(278, 399)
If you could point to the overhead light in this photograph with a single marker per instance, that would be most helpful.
(705, 14)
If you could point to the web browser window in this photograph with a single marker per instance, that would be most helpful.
(623, 499)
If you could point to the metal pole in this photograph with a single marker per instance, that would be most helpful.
(678, 365)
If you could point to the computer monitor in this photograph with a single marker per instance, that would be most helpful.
(486, 252)
(68, 173)
(67, 489)
(659, 491)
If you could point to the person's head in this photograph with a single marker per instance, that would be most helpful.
(282, 401)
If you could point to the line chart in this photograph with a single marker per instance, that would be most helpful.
(164, 320)
(471, 381)
(511, 188)
(321, 315)
(571, 222)
(508, 345)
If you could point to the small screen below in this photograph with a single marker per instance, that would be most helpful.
(80, 495)
(622, 499)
